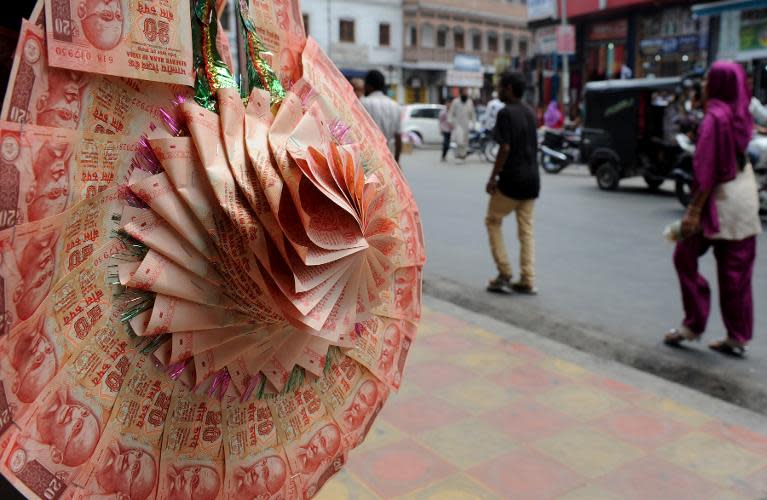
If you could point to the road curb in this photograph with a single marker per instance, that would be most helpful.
(659, 362)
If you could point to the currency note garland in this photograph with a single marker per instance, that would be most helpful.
(219, 296)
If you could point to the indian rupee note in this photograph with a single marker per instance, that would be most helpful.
(34, 256)
(144, 39)
(279, 24)
(192, 459)
(46, 170)
(354, 397)
(126, 462)
(256, 464)
(61, 432)
(42, 95)
(77, 309)
(382, 346)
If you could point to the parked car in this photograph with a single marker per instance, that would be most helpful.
(422, 120)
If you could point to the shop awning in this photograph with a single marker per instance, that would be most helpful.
(714, 8)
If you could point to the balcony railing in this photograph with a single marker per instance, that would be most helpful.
(443, 55)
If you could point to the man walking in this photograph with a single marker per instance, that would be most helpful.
(514, 185)
(445, 127)
(383, 110)
(491, 112)
(461, 116)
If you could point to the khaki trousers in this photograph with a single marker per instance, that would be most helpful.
(500, 206)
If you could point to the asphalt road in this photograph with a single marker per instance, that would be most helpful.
(602, 262)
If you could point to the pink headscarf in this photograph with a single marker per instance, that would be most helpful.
(727, 83)
(724, 133)
(553, 116)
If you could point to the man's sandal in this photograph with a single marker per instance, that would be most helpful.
(676, 336)
(728, 348)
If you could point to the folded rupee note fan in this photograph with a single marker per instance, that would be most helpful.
(209, 285)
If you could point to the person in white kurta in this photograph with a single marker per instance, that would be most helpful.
(461, 117)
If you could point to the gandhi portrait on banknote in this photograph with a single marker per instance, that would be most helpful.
(60, 105)
(34, 359)
(263, 480)
(389, 348)
(102, 22)
(290, 69)
(67, 428)
(49, 192)
(320, 449)
(403, 286)
(36, 266)
(193, 482)
(362, 405)
(126, 473)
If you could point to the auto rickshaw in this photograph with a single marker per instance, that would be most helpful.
(628, 132)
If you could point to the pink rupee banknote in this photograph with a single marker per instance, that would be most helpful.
(144, 39)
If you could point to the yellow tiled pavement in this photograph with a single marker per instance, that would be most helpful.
(516, 422)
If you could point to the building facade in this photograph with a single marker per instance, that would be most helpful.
(491, 32)
(741, 35)
(360, 36)
(624, 38)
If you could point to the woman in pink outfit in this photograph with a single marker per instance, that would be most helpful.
(724, 214)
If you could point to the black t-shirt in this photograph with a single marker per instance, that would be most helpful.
(515, 126)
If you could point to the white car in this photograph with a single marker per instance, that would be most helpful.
(422, 120)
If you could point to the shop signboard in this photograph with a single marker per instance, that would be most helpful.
(613, 30)
(466, 72)
(463, 62)
(566, 39)
(669, 45)
(545, 40)
(541, 9)
(471, 79)
(753, 36)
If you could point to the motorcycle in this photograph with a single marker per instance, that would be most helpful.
(757, 154)
(682, 172)
(481, 143)
(558, 149)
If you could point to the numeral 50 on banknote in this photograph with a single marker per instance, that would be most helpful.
(145, 39)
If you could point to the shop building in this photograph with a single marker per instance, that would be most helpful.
(672, 42)
(638, 38)
(492, 32)
(741, 36)
(360, 36)
(543, 18)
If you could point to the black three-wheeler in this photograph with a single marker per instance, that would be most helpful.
(628, 130)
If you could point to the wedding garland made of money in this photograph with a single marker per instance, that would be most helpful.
(223, 292)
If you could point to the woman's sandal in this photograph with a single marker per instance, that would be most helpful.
(675, 337)
(728, 348)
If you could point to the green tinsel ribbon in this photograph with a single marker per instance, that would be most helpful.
(260, 73)
(212, 72)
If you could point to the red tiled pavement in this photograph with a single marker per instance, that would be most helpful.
(526, 474)
(539, 427)
(525, 420)
(422, 413)
(399, 468)
(641, 428)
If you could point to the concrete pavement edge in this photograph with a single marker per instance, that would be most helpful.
(745, 393)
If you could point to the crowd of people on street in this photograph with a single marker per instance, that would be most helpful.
(718, 114)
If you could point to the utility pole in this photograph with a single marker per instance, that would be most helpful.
(565, 65)
(330, 31)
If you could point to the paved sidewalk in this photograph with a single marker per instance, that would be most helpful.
(491, 411)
